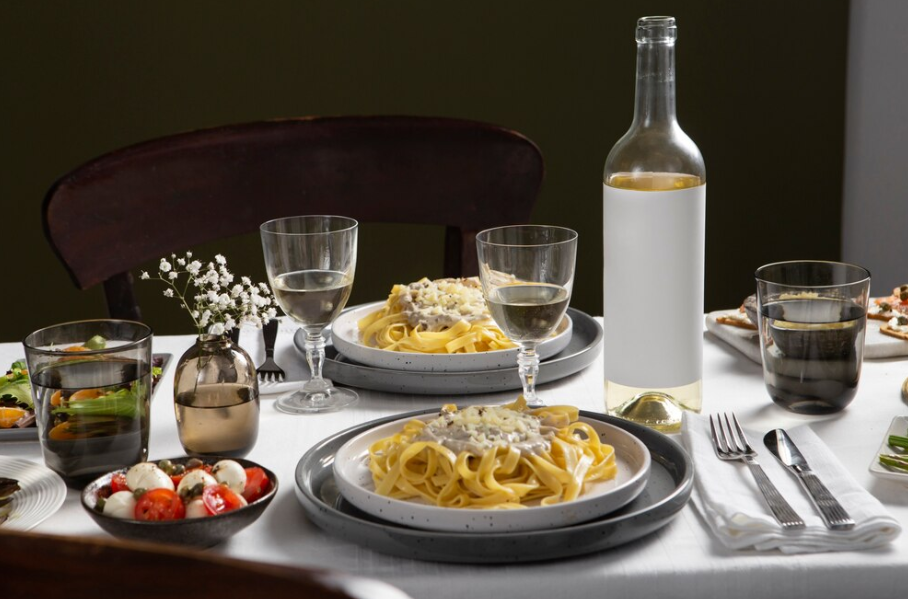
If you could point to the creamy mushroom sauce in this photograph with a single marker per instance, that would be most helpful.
(440, 304)
(477, 429)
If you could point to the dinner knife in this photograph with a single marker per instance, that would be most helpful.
(834, 515)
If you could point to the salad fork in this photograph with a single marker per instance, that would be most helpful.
(269, 371)
(730, 443)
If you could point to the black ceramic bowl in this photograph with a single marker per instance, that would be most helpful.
(197, 532)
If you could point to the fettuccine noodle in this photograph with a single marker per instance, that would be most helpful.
(434, 317)
(492, 457)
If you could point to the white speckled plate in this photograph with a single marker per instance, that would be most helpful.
(41, 492)
(346, 338)
(354, 481)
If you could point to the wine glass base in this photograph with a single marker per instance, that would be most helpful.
(327, 400)
(535, 403)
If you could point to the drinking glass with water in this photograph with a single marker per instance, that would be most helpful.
(91, 382)
(813, 318)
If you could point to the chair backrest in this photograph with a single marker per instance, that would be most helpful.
(39, 566)
(165, 195)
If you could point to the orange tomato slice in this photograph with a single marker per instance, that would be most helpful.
(61, 432)
(84, 394)
(9, 416)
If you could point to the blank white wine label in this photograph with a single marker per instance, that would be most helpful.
(653, 262)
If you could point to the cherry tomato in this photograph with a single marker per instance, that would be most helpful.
(118, 483)
(160, 504)
(176, 478)
(257, 484)
(219, 499)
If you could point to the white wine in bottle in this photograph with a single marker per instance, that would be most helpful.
(654, 229)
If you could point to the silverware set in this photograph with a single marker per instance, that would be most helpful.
(731, 443)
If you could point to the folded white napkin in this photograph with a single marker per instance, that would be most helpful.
(727, 497)
(285, 354)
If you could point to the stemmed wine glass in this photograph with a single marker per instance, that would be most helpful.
(310, 262)
(527, 273)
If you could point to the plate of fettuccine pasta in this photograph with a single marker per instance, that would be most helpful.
(433, 326)
(492, 469)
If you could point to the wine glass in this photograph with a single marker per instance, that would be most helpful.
(527, 273)
(310, 262)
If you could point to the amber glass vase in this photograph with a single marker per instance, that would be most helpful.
(216, 398)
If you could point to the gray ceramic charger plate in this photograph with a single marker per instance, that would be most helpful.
(665, 494)
(584, 347)
(31, 433)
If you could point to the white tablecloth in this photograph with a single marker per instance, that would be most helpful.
(681, 560)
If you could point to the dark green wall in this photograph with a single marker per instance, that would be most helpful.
(760, 89)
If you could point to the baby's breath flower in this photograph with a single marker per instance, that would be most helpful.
(217, 306)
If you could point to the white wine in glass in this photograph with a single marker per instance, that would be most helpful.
(527, 273)
(310, 262)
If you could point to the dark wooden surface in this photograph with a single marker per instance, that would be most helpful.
(41, 566)
(146, 201)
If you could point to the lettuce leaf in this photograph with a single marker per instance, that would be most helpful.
(16, 385)
(121, 404)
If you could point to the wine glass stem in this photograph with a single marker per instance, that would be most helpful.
(528, 368)
(315, 356)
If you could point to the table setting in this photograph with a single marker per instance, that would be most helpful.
(478, 435)
(673, 496)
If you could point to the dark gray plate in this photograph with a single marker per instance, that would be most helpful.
(584, 347)
(663, 497)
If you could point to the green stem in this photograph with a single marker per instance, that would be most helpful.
(894, 461)
(897, 441)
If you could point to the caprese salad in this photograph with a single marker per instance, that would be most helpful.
(166, 490)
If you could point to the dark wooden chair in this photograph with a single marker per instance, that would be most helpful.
(43, 566)
(169, 194)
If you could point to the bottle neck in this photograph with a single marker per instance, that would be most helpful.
(655, 94)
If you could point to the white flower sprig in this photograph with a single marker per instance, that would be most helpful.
(218, 304)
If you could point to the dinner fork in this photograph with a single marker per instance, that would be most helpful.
(269, 371)
(731, 443)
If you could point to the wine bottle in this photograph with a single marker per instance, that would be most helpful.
(654, 221)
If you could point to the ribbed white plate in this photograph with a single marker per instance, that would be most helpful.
(41, 492)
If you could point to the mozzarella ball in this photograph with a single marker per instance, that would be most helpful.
(148, 476)
(230, 473)
(196, 509)
(121, 504)
(194, 477)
